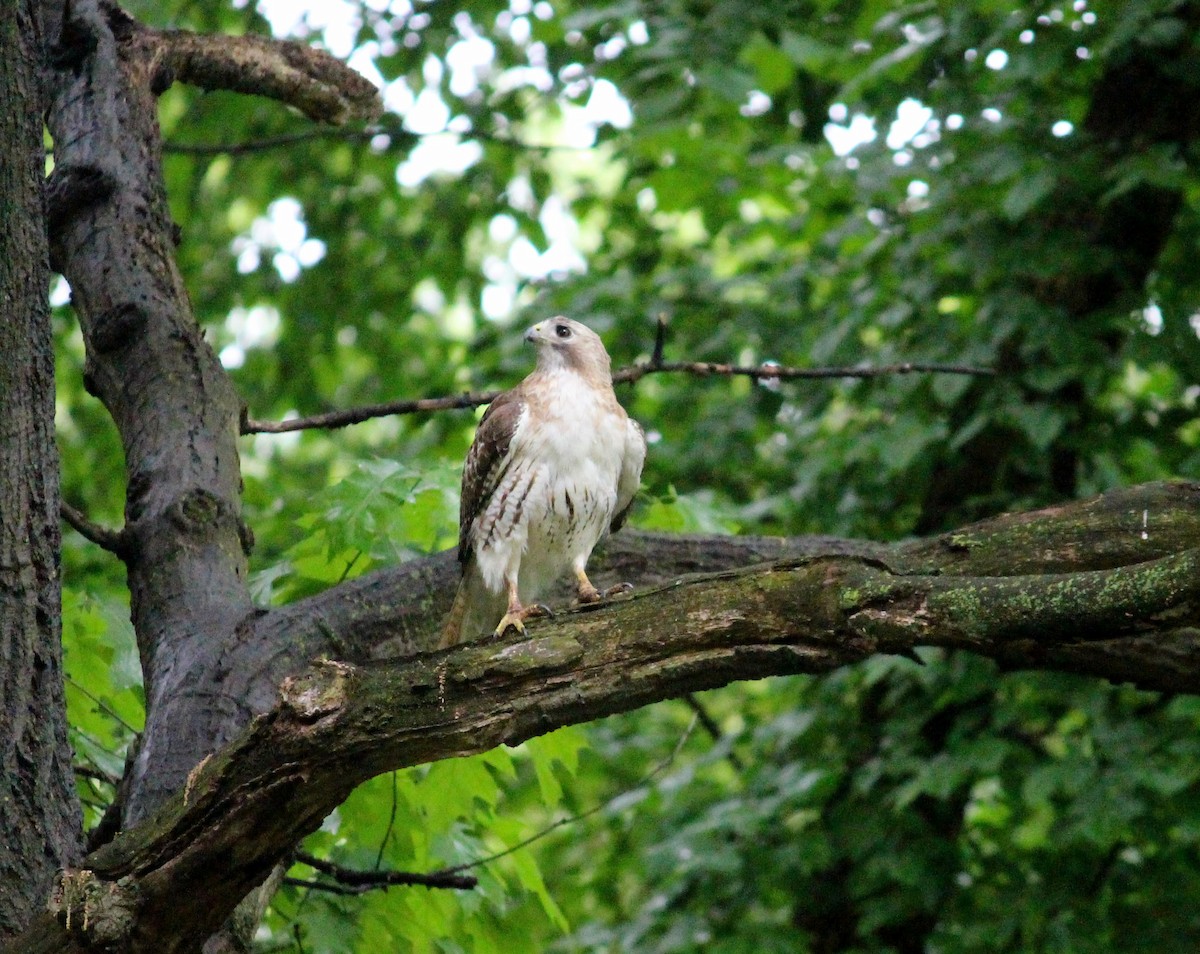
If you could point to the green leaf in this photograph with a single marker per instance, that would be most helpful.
(1027, 192)
(772, 67)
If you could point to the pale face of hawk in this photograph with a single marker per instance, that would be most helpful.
(563, 343)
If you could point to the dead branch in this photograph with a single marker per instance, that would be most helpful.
(356, 415)
(371, 880)
(397, 138)
(767, 371)
(111, 540)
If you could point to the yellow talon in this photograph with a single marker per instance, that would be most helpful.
(585, 592)
(510, 619)
(516, 616)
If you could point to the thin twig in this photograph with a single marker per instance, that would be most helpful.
(348, 881)
(397, 137)
(270, 142)
(86, 771)
(356, 415)
(367, 880)
(387, 833)
(714, 730)
(660, 341)
(332, 887)
(100, 702)
(631, 374)
(275, 142)
(769, 371)
(572, 819)
(111, 540)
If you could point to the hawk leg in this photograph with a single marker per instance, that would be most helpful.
(517, 614)
(585, 592)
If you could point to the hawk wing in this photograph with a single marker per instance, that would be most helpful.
(631, 472)
(487, 461)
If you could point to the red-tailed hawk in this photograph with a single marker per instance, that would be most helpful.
(554, 466)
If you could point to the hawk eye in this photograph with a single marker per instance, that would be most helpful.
(562, 331)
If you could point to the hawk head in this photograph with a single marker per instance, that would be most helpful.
(565, 344)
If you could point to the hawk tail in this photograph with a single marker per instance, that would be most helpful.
(452, 629)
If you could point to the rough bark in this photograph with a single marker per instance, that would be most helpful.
(319, 85)
(184, 543)
(172, 402)
(39, 814)
(1108, 586)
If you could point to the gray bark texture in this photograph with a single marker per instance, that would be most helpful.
(259, 722)
(147, 361)
(39, 814)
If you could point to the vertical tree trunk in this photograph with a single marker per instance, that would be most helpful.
(147, 361)
(39, 812)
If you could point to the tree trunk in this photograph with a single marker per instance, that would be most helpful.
(39, 813)
(147, 361)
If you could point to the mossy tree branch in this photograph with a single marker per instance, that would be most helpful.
(166, 884)
(398, 610)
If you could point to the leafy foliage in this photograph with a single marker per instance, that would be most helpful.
(1025, 198)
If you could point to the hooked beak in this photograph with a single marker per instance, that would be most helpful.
(532, 333)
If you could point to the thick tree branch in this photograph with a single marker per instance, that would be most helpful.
(632, 374)
(398, 610)
(319, 85)
(112, 235)
(1134, 614)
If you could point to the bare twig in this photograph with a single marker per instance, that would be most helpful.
(370, 880)
(332, 887)
(387, 834)
(87, 771)
(630, 375)
(104, 706)
(713, 729)
(111, 540)
(660, 341)
(397, 136)
(356, 415)
(281, 141)
(769, 371)
(572, 819)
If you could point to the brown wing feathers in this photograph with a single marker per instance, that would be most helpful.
(486, 463)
